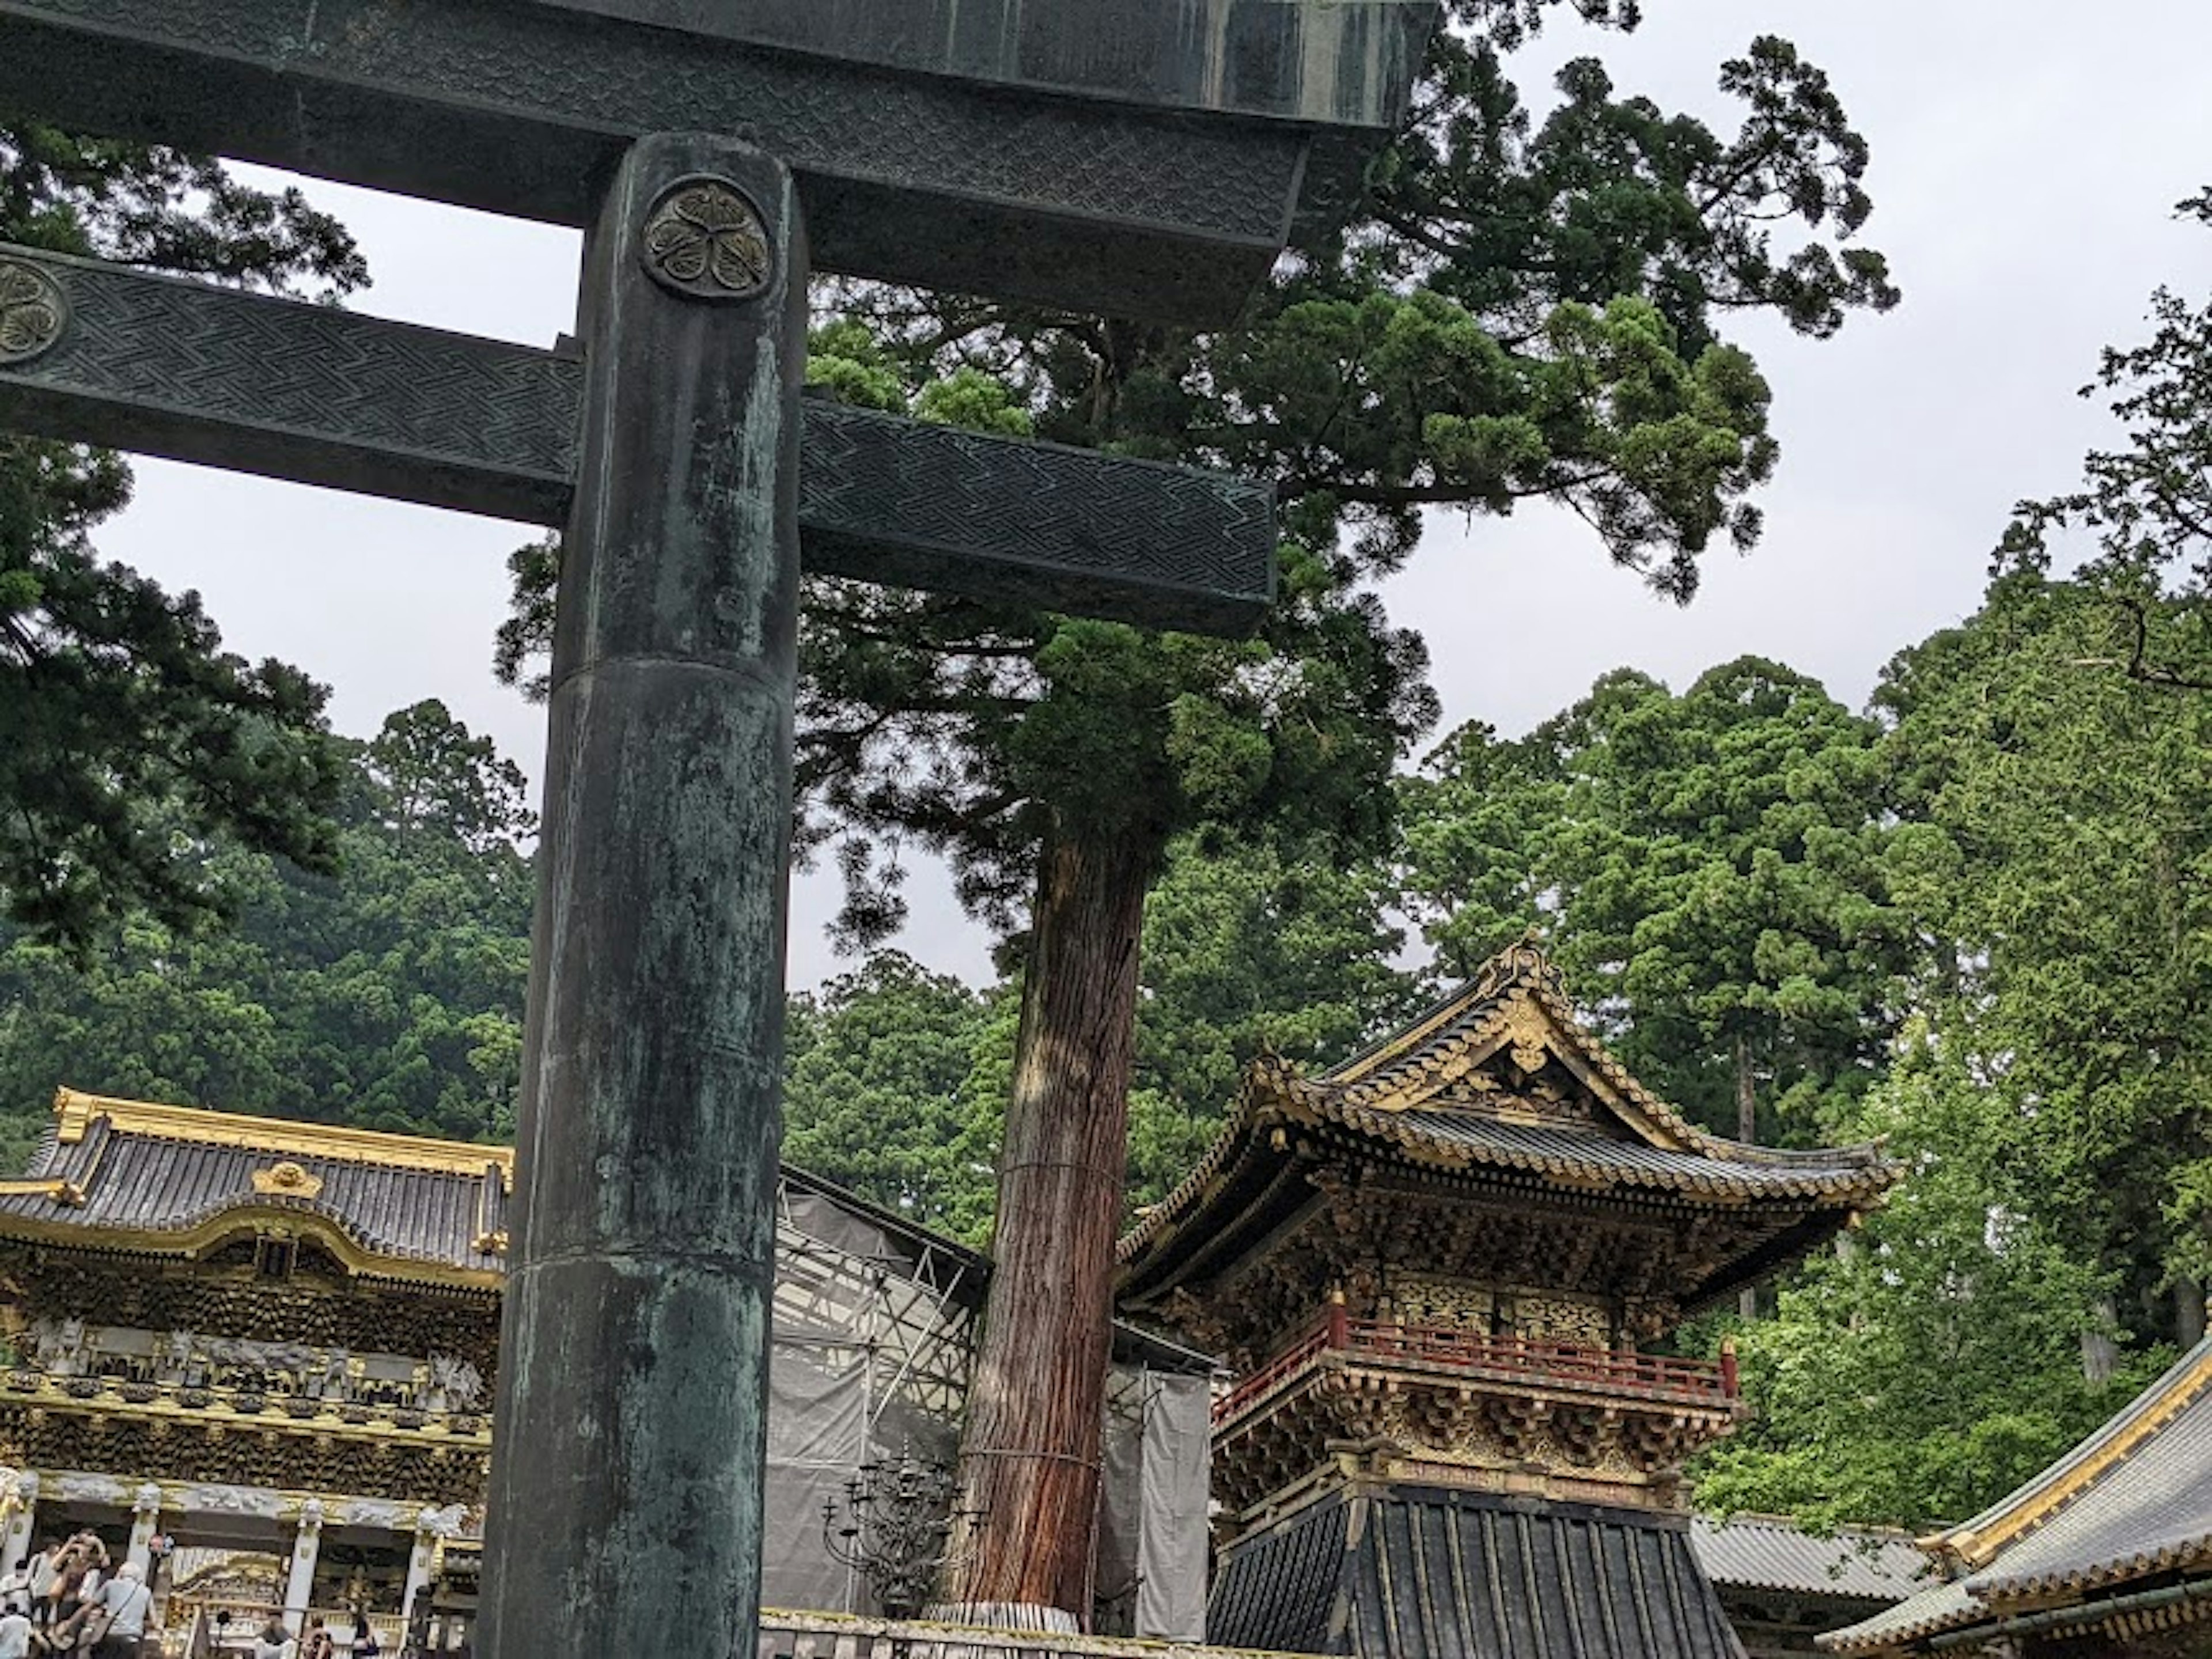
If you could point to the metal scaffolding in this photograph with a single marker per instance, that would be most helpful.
(875, 1321)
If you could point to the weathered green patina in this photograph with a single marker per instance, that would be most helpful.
(1115, 154)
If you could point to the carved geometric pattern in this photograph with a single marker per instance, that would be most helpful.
(160, 1450)
(1631, 1449)
(705, 239)
(1443, 1303)
(1170, 52)
(886, 501)
(1588, 1258)
(325, 397)
(519, 108)
(270, 386)
(223, 1294)
(1562, 1319)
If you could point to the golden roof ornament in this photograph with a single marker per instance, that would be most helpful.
(286, 1179)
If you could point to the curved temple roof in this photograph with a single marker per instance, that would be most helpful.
(1430, 1570)
(1766, 1553)
(2132, 1500)
(1502, 1076)
(134, 1176)
(159, 1178)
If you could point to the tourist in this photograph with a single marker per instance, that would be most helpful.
(91, 1568)
(274, 1642)
(121, 1605)
(318, 1644)
(14, 1630)
(71, 1569)
(365, 1644)
(45, 1572)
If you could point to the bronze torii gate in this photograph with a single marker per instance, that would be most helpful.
(1142, 156)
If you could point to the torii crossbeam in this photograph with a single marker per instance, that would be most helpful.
(1146, 156)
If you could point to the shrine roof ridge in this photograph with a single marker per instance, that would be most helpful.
(2182, 1387)
(1399, 1094)
(2132, 1500)
(75, 1110)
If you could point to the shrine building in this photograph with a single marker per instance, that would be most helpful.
(1434, 1274)
(267, 1340)
(2107, 1554)
(1435, 1271)
(275, 1343)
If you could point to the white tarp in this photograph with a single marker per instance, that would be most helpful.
(842, 1391)
(1152, 1533)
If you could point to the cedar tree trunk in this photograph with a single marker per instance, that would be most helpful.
(1029, 1460)
(2188, 1310)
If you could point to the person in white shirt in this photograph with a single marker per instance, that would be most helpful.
(124, 1600)
(14, 1630)
(45, 1570)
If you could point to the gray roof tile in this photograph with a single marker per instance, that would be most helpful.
(1758, 1552)
(1422, 1571)
(181, 1172)
(2144, 1506)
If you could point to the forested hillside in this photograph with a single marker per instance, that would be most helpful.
(1972, 920)
(387, 995)
(1972, 917)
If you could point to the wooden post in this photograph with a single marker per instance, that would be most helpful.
(626, 1493)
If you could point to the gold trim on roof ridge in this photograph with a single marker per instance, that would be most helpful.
(59, 1190)
(357, 1257)
(286, 1179)
(1528, 1007)
(1519, 981)
(1978, 1547)
(76, 1111)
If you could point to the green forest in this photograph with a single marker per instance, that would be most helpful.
(1973, 917)
(1969, 919)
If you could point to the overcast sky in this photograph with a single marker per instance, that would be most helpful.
(2026, 162)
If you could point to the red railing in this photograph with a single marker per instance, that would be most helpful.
(1496, 1358)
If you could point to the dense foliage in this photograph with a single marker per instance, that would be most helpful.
(128, 736)
(388, 996)
(1711, 869)
(1970, 920)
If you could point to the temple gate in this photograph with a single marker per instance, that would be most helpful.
(1129, 156)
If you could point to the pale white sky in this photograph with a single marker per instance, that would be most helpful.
(2025, 157)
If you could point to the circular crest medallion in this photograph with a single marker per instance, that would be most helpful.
(705, 239)
(33, 312)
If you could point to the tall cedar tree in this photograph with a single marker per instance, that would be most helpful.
(1526, 309)
(2148, 505)
(1712, 868)
(128, 737)
(2061, 863)
(2139, 609)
